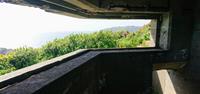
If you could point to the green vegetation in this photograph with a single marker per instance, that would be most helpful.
(27, 56)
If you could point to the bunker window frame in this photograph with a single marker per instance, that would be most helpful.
(157, 19)
(161, 27)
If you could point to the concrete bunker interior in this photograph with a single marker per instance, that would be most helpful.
(119, 71)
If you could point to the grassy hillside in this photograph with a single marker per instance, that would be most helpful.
(26, 56)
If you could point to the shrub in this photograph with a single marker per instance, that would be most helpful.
(23, 57)
(26, 56)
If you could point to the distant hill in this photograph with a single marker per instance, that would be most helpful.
(4, 50)
(124, 28)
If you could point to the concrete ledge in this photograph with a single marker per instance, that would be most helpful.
(40, 80)
(162, 82)
(43, 76)
(174, 82)
(24, 73)
(21, 74)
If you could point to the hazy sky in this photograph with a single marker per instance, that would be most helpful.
(20, 25)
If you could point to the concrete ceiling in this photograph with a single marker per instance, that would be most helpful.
(123, 9)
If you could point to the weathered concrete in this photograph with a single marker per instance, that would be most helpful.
(95, 72)
(174, 82)
(110, 69)
(23, 73)
(184, 80)
(193, 68)
(100, 9)
(162, 83)
(49, 80)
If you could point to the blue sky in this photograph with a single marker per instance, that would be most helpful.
(21, 25)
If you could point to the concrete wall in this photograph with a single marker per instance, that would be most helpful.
(95, 72)
(193, 67)
(115, 69)
(185, 35)
(181, 24)
(128, 73)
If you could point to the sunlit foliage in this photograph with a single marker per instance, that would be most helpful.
(26, 56)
